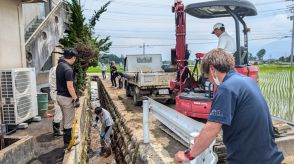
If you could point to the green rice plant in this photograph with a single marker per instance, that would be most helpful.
(277, 85)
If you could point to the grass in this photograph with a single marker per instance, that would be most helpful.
(98, 69)
(275, 67)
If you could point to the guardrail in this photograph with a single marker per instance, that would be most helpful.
(183, 126)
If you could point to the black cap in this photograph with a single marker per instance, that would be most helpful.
(69, 53)
(98, 110)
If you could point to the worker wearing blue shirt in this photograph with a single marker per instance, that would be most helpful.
(240, 110)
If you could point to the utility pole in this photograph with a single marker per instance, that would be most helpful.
(144, 49)
(292, 45)
(291, 59)
(144, 46)
(292, 19)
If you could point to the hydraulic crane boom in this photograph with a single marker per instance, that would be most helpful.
(180, 20)
(181, 50)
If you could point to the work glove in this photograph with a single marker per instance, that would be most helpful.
(94, 125)
(76, 103)
(102, 135)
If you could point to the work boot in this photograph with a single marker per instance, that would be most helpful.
(107, 151)
(66, 136)
(103, 147)
(102, 151)
(56, 129)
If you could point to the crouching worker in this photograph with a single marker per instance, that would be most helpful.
(121, 78)
(106, 129)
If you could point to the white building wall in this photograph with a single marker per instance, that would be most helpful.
(12, 44)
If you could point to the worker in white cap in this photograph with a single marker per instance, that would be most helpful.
(225, 41)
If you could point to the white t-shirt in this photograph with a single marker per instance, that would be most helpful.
(52, 83)
(104, 68)
(106, 119)
(52, 78)
(227, 43)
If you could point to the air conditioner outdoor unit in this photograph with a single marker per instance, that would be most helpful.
(18, 95)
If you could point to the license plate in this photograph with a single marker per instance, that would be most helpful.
(163, 91)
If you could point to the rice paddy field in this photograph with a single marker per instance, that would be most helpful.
(277, 85)
(98, 69)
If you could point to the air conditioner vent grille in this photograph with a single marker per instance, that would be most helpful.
(24, 104)
(6, 85)
(22, 82)
(8, 114)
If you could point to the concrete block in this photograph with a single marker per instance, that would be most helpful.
(22, 126)
(36, 119)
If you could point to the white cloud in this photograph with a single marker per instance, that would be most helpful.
(145, 20)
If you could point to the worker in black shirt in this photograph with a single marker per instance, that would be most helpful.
(66, 95)
(113, 70)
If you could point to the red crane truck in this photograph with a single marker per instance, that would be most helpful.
(191, 99)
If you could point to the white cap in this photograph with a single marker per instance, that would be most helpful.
(217, 26)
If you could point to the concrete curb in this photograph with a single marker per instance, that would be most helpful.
(20, 152)
(76, 154)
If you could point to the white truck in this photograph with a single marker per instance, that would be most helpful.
(145, 77)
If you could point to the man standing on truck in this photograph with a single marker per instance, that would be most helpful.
(240, 110)
(225, 41)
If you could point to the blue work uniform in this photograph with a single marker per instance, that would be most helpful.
(247, 126)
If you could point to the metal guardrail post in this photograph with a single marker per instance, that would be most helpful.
(146, 121)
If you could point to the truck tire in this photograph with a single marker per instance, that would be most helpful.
(128, 90)
(136, 101)
(171, 101)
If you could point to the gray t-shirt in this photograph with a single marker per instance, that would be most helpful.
(106, 119)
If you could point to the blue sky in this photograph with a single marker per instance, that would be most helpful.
(130, 23)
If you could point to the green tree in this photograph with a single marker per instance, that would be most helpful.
(251, 57)
(81, 36)
(106, 59)
(282, 59)
(260, 54)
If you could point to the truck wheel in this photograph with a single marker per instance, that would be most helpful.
(136, 101)
(171, 101)
(128, 91)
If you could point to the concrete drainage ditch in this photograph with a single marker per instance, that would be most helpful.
(127, 140)
(124, 145)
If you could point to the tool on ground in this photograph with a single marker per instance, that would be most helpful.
(73, 141)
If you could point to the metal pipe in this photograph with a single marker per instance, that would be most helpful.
(146, 121)
(238, 57)
(245, 38)
(21, 36)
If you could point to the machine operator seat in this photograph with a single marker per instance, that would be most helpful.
(244, 59)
